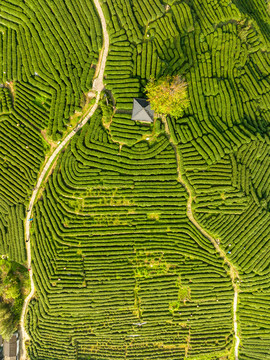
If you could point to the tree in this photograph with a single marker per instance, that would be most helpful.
(12, 291)
(7, 321)
(14, 280)
(168, 95)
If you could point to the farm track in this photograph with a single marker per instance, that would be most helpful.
(234, 275)
(97, 87)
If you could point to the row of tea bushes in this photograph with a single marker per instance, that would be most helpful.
(60, 61)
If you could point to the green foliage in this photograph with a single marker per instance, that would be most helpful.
(14, 283)
(7, 321)
(168, 95)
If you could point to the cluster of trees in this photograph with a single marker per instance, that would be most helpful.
(168, 95)
(13, 288)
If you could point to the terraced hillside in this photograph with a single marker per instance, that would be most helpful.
(144, 235)
(222, 141)
(45, 68)
(113, 248)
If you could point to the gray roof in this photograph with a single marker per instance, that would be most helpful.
(10, 348)
(142, 110)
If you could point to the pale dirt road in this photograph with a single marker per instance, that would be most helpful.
(237, 339)
(97, 87)
(233, 271)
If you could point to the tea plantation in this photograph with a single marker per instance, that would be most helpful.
(44, 68)
(144, 233)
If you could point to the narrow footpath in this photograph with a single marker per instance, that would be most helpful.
(97, 88)
(234, 275)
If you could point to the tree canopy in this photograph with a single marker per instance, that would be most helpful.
(14, 283)
(168, 95)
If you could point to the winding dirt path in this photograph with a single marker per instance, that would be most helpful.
(233, 271)
(97, 87)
